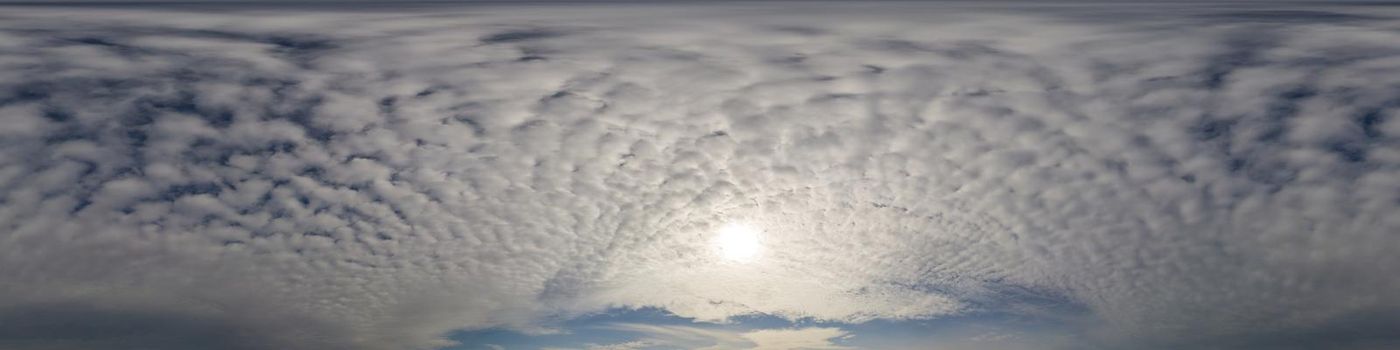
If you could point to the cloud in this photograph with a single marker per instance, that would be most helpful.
(622, 346)
(375, 179)
(683, 336)
(805, 338)
(690, 337)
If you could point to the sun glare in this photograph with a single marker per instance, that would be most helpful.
(737, 242)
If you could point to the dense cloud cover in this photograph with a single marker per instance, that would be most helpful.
(373, 178)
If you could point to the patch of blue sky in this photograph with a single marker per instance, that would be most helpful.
(999, 327)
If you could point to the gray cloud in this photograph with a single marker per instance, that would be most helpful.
(374, 179)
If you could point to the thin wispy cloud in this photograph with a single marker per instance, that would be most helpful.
(693, 337)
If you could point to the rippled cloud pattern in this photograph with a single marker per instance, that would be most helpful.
(278, 177)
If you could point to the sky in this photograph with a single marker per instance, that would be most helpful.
(755, 175)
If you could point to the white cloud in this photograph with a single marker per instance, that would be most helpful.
(692, 337)
(794, 339)
(622, 346)
(373, 180)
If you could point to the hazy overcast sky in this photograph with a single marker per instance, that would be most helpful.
(912, 175)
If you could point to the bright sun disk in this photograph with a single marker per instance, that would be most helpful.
(737, 242)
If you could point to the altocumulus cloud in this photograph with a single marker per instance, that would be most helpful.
(276, 178)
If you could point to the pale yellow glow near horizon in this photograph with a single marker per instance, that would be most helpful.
(738, 242)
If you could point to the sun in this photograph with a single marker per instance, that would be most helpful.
(738, 242)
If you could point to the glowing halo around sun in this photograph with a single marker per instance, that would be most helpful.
(738, 242)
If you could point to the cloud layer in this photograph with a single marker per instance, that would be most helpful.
(686, 337)
(280, 178)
